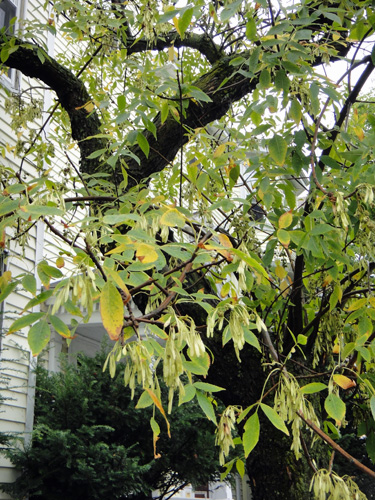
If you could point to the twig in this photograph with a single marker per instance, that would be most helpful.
(307, 454)
(335, 446)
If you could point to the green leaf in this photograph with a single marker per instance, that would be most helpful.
(60, 327)
(143, 144)
(283, 236)
(8, 206)
(295, 111)
(26, 320)
(29, 283)
(250, 338)
(372, 406)
(41, 297)
(73, 309)
(203, 386)
(197, 366)
(38, 337)
(42, 210)
(154, 426)
(264, 79)
(46, 272)
(278, 147)
(250, 261)
(335, 407)
(313, 388)
(251, 29)
(112, 310)
(274, 418)
(114, 219)
(157, 331)
(206, 406)
(240, 466)
(302, 339)
(7, 291)
(250, 436)
(190, 392)
(198, 94)
(184, 21)
(144, 401)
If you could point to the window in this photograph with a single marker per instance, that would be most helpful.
(8, 10)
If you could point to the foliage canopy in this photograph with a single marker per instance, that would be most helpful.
(247, 244)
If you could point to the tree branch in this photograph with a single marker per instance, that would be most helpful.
(335, 446)
(201, 42)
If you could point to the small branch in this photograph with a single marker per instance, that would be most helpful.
(95, 260)
(332, 458)
(90, 198)
(307, 454)
(335, 446)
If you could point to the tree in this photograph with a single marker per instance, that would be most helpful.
(247, 244)
(90, 442)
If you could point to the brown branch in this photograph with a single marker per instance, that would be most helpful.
(201, 42)
(335, 446)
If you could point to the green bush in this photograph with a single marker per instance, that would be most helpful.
(89, 441)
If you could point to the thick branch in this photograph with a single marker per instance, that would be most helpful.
(201, 42)
(70, 91)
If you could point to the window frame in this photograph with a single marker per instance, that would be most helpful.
(11, 82)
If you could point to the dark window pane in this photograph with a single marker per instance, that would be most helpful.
(7, 11)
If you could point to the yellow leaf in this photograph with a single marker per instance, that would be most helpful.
(284, 237)
(336, 349)
(359, 133)
(225, 290)
(88, 106)
(60, 262)
(280, 272)
(111, 310)
(344, 382)
(172, 218)
(158, 404)
(219, 150)
(171, 53)
(225, 241)
(285, 220)
(121, 248)
(146, 253)
(118, 280)
(175, 22)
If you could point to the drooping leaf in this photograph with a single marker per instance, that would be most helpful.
(111, 310)
(184, 21)
(274, 418)
(39, 336)
(29, 283)
(335, 407)
(278, 148)
(206, 406)
(60, 327)
(285, 219)
(26, 320)
(250, 437)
